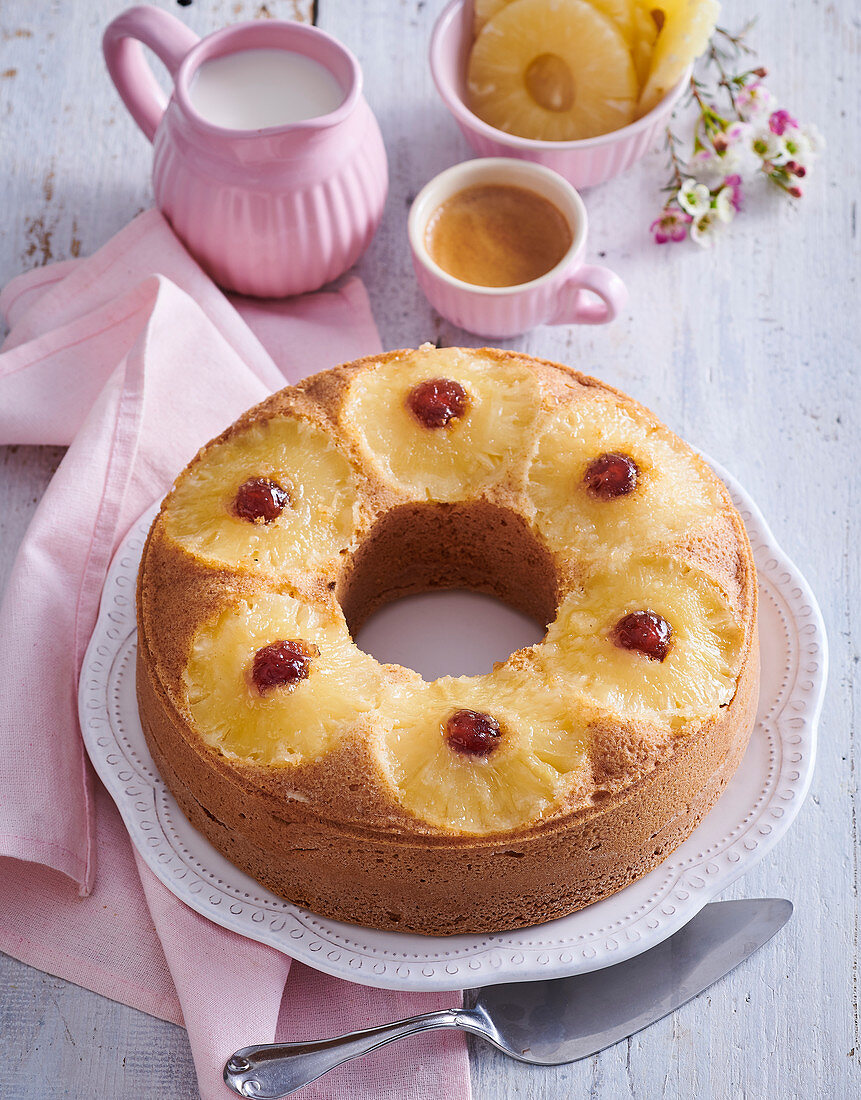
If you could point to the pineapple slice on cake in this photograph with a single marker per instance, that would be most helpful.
(683, 31)
(482, 754)
(267, 497)
(441, 424)
(554, 70)
(274, 680)
(603, 480)
(653, 639)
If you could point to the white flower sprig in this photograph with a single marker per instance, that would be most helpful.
(751, 137)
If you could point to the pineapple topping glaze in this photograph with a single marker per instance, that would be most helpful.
(203, 515)
(546, 491)
(477, 446)
(539, 756)
(671, 494)
(332, 683)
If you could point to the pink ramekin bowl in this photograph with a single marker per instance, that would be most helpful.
(583, 163)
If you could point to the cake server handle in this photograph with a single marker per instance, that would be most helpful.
(271, 1070)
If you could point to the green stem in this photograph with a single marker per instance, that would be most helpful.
(737, 41)
(725, 81)
(712, 121)
(674, 159)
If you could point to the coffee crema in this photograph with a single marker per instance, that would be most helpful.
(497, 235)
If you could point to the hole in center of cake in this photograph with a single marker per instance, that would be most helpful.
(504, 578)
(453, 633)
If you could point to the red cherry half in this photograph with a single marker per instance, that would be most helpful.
(282, 664)
(260, 500)
(647, 632)
(472, 732)
(437, 402)
(610, 476)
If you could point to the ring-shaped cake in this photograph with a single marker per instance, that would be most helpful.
(467, 804)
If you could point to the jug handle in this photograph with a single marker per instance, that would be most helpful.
(168, 38)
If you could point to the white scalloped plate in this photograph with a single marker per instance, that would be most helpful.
(756, 809)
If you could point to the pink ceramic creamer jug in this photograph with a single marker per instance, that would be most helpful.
(267, 212)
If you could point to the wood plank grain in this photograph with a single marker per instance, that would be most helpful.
(69, 1042)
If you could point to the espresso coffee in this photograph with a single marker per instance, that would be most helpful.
(497, 235)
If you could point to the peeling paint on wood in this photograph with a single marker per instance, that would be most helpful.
(38, 238)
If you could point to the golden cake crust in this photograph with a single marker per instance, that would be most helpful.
(330, 831)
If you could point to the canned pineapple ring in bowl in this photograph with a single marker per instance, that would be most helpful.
(583, 161)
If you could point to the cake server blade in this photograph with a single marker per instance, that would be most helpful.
(550, 1022)
(569, 1018)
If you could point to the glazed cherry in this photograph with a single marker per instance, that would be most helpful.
(260, 500)
(437, 402)
(645, 631)
(282, 664)
(473, 733)
(611, 475)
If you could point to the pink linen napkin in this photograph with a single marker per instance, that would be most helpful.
(134, 358)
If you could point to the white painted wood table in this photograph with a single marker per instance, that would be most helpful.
(750, 352)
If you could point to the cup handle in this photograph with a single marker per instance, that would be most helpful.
(575, 309)
(168, 38)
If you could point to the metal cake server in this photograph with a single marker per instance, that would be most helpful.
(550, 1022)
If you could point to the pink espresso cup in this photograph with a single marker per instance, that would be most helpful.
(562, 296)
(270, 212)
